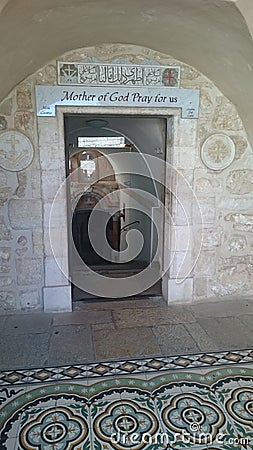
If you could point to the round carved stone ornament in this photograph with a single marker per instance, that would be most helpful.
(218, 152)
(16, 151)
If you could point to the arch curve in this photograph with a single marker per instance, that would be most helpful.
(212, 36)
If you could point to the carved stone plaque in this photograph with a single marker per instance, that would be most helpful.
(93, 74)
(218, 152)
(16, 151)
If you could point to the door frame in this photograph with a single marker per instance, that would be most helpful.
(181, 134)
(153, 210)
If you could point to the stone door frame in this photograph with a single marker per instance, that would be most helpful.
(181, 151)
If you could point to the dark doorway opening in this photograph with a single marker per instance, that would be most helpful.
(140, 135)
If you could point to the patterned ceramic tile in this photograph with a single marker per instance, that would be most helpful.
(126, 367)
(6, 393)
(12, 444)
(63, 425)
(123, 423)
(175, 409)
(193, 419)
(38, 423)
(237, 403)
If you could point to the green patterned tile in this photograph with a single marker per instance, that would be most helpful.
(193, 419)
(174, 409)
(127, 423)
(61, 427)
(10, 445)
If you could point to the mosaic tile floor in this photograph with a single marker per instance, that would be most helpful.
(145, 405)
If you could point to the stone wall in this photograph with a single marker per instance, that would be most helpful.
(21, 237)
(225, 263)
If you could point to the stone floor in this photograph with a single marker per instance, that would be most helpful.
(127, 328)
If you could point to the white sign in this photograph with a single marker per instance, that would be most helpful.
(48, 97)
(98, 141)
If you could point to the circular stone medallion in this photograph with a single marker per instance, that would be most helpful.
(16, 151)
(218, 152)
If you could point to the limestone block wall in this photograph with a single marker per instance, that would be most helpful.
(21, 237)
(225, 263)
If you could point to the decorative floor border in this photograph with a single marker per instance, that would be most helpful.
(179, 410)
(126, 367)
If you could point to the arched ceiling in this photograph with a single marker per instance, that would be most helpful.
(246, 9)
(2, 4)
(211, 35)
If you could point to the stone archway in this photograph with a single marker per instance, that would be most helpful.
(192, 33)
(224, 264)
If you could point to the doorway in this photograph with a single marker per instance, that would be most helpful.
(92, 145)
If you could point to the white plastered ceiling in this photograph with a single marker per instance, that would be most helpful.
(214, 36)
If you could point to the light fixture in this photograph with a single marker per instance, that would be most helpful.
(96, 123)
